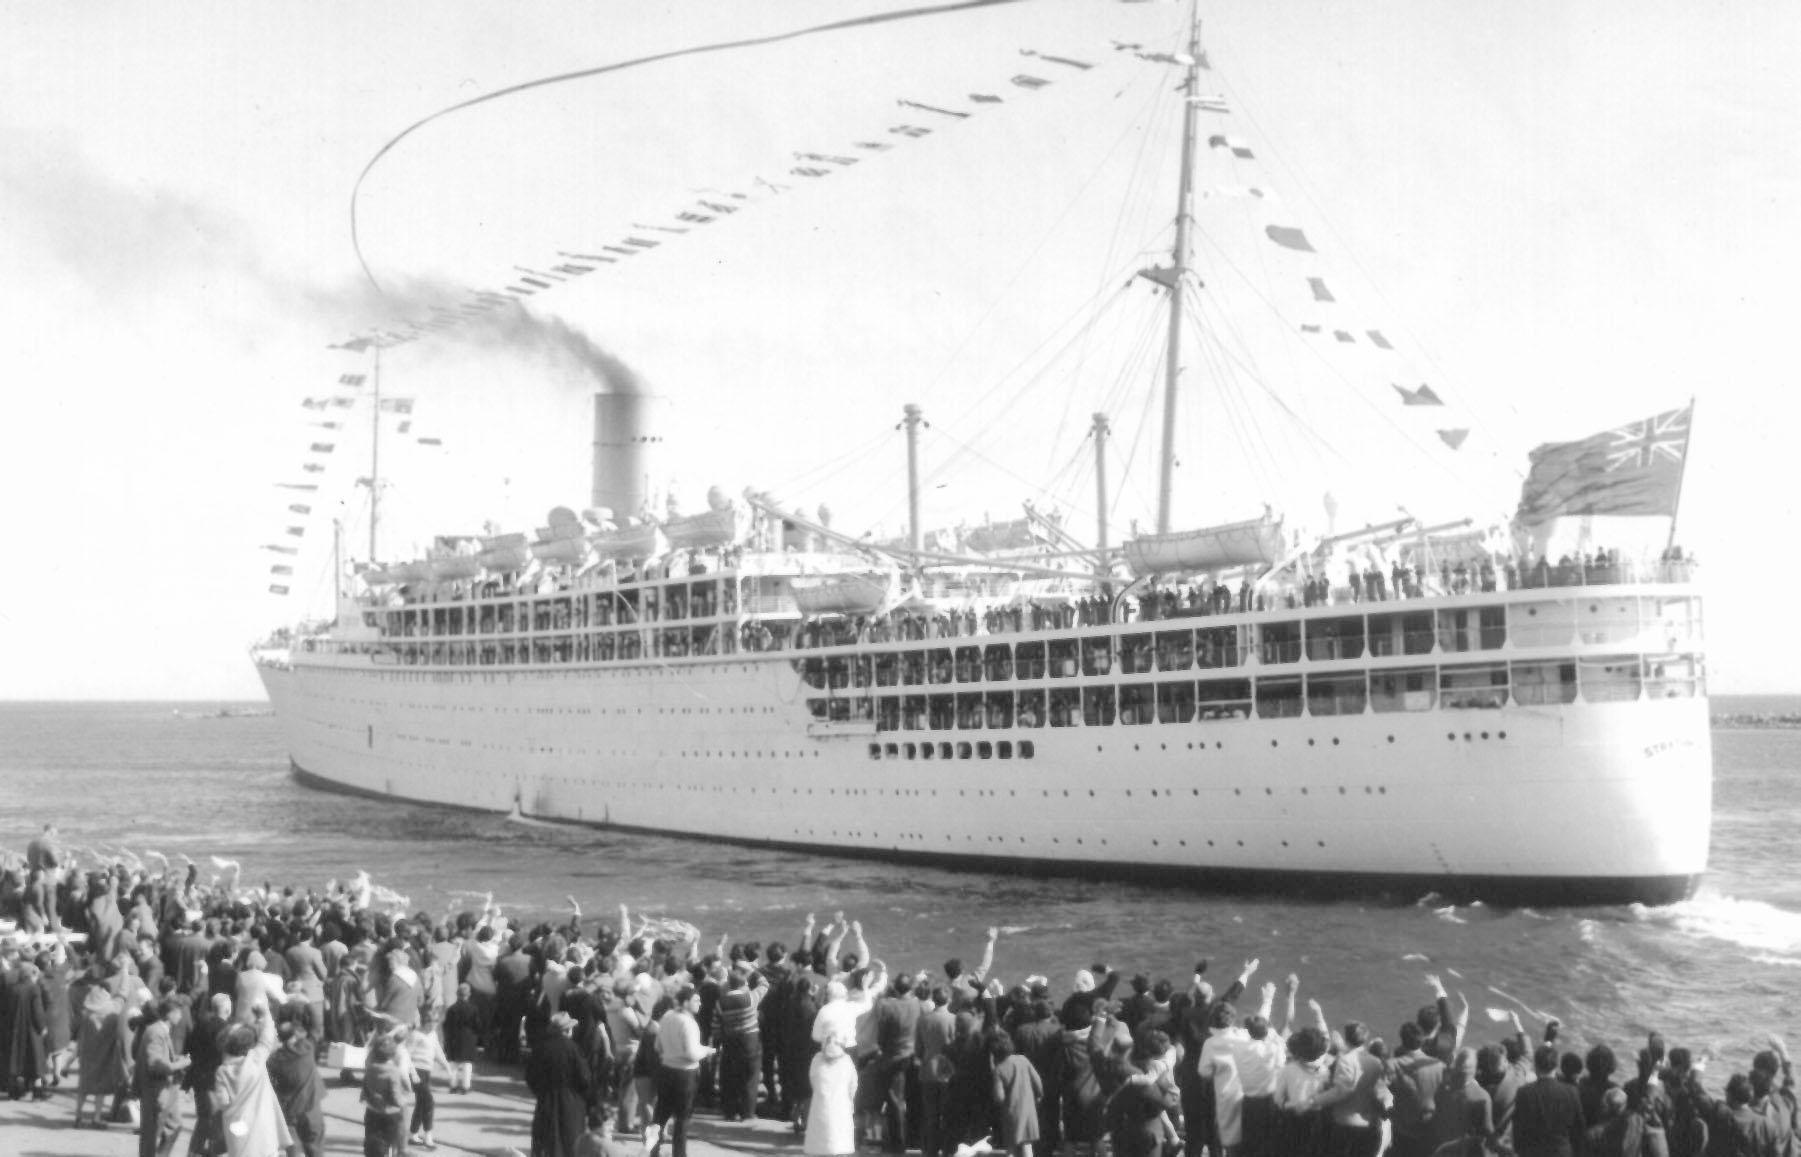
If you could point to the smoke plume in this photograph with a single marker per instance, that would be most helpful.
(128, 244)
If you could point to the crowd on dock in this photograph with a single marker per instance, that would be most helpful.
(152, 990)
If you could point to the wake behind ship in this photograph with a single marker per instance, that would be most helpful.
(1515, 715)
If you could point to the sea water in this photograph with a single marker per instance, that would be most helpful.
(1722, 969)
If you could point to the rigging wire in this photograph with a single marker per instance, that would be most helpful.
(620, 66)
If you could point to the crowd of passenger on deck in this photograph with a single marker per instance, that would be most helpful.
(1159, 601)
(151, 985)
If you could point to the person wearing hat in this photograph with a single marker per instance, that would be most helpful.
(558, 1077)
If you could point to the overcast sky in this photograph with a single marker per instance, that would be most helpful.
(1572, 216)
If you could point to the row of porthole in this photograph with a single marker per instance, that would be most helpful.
(1310, 743)
(850, 835)
(981, 749)
(750, 754)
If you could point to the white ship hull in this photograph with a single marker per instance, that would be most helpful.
(1583, 802)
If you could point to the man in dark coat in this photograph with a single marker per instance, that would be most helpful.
(23, 1063)
(1547, 1114)
(559, 1078)
(294, 1074)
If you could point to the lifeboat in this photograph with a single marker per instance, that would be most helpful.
(1254, 542)
(842, 594)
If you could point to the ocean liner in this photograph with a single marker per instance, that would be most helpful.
(1401, 709)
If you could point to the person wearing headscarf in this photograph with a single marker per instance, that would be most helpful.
(103, 1052)
(250, 1117)
(831, 1115)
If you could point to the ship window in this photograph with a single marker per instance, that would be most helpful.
(1175, 702)
(913, 712)
(1407, 689)
(969, 664)
(1031, 709)
(875, 751)
(1031, 660)
(1542, 684)
(1401, 634)
(1223, 698)
(1278, 643)
(1175, 650)
(1217, 647)
(838, 673)
(944, 751)
(1064, 706)
(1673, 677)
(1678, 622)
(913, 668)
(1136, 653)
(812, 673)
(1000, 708)
(984, 750)
(970, 710)
(927, 750)
(938, 665)
(1279, 698)
(1609, 679)
(1004, 749)
(887, 670)
(941, 711)
(1491, 628)
(1063, 658)
(997, 662)
(1097, 657)
(1336, 694)
(1613, 622)
(1027, 749)
(1097, 706)
(1335, 638)
(963, 751)
(887, 713)
(911, 749)
(1481, 685)
(1137, 704)
(821, 708)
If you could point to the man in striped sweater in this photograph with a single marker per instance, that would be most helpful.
(740, 1044)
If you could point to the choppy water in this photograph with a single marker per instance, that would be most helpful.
(1719, 969)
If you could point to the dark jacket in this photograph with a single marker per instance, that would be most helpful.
(1547, 1120)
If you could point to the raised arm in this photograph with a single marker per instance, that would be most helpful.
(981, 973)
(860, 945)
(1294, 985)
(1463, 1021)
(1319, 1019)
(1268, 1002)
(834, 944)
(806, 934)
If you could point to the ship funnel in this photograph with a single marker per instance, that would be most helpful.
(626, 441)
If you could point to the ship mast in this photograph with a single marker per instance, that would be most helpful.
(1099, 432)
(375, 456)
(1178, 276)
